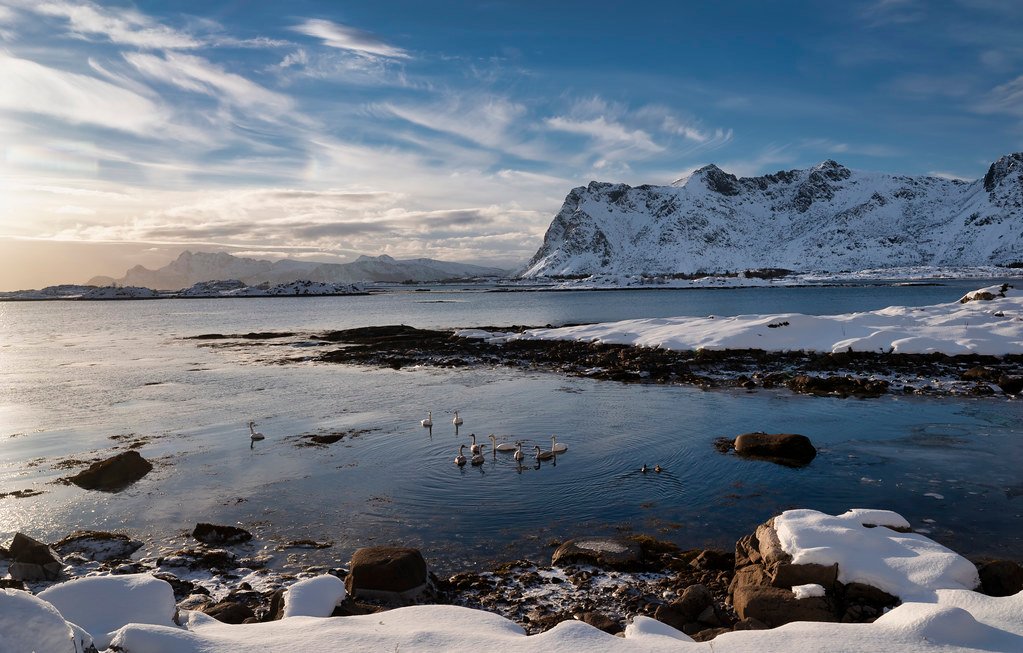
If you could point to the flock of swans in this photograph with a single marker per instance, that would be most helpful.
(476, 456)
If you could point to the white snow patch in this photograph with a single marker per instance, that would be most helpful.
(808, 591)
(314, 597)
(28, 623)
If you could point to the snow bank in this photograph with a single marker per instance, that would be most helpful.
(810, 591)
(28, 623)
(314, 597)
(992, 327)
(906, 565)
(102, 604)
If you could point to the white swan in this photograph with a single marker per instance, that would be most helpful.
(457, 420)
(475, 448)
(479, 459)
(557, 448)
(460, 459)
(253, 433)
(429, 419)
(504, 446)
(543, 455)
(518, 452)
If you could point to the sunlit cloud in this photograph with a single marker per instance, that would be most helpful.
(123, 26)
(344, 37)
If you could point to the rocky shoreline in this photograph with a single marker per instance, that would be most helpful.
(603, 581)
(844, 374)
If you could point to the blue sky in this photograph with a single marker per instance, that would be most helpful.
(453, 130)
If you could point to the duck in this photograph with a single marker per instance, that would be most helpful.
(543, 455)
(557, 448)
(479, 458)
(474, 448)
(253, 433)
(643, 468)
(457, 420)
(460, 459)
(504, 446)
(518, 452)
(429, 419)
(658, 468)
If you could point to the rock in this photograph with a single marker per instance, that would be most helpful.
(863, 594)
(605, 552)
(113, 474)
(181, 588)
(388, 573)
(600, 621)
(216, 534)
(33, 560)
(708, 634)
(775, 606)
(841, 386)
(749, 623)
(1010, 385)
(1000, 577)
(789, 449)
(981, 373)
(230, 612)
(100, 546)
(714, 559)
(670, 616)
(694, 600)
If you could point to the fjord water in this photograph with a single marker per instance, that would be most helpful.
(80, 378)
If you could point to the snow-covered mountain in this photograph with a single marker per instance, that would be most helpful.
(826, 218)
(194, 267)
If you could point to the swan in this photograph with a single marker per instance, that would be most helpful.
(460, 459)
(429, 419)
(474, 448)
(543, 455)
(479, 459)
(557, 448)
(504, 446)
(518, 452)
(457, 420)
(253, 433)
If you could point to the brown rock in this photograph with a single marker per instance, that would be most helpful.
(606, 552)
(33, 560)
(670, 616)
(230, 612)
(100, 546)
(1000, 577)
(600, 621)
(1010, 385)
(387, 573)
(217, 534)
(775, 606)
(749, 623)
(694, 600)
(784, 448)
(708, 634)
(113, 474)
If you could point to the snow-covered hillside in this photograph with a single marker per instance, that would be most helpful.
(826, 218)
(195, 267)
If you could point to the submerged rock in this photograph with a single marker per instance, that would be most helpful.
(217, 534)
(113, 474)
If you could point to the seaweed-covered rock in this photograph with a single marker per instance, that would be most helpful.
(113, 474)
(218, 534)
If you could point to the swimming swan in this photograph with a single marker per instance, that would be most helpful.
(460, 459)
(518, 452)
(557, 448)
(429, 419)
(543, 455)
(475, 448)
(479, 459)
(457, 420)
(253, 433)
(504, 446)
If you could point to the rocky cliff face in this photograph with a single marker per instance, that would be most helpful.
(825, 218)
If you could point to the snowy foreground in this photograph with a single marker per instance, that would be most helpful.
(136, 613)
(991, 327)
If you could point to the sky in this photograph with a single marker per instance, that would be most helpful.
(325, 130)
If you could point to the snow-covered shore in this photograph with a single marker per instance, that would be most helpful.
(135, 613)
(992, 327)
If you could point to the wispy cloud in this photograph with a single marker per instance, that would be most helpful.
(1006, 98)
(124, 26)
(344, 37)
(606, 132)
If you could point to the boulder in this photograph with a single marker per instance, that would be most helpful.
(1000, 577)
(113, 474)
(33, 560)
(789, 449)
(600, 621)
(840, 386)
(775, 606)
(694, 600)
(760, 560)
(98, 545)
(605, 552)
(230, 612)
(216, 534)
(388, 573)
(1010, 385)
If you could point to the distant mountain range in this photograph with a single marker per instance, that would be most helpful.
(195, 267)
(827, 218)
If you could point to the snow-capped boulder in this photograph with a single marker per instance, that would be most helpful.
(29, 623)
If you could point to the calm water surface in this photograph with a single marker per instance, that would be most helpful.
(76, 378)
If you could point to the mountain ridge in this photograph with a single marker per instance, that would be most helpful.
(196, 267)
(825, 218)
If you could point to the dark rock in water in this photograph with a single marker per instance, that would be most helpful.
(783, 448)
(1000, 577)
(388, 573)
(33, 560)
(600, 621)
(217, 534)
(841, 386)
(230, 612)
(100, 546)
(201, 559)
(1010, 385)
(606, 552)
(775, 606)
(113, 474)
